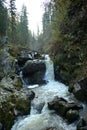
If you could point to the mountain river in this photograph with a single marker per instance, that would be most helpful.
(41, 118)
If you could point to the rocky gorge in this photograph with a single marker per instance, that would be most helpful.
(16, 98)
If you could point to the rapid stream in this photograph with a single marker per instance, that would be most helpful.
(41, 118)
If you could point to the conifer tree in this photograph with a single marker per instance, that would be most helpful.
(3, 18)
(23, 26)
(13, 19)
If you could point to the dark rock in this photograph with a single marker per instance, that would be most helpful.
(40, 107)
(82, 125)
(31, 95)
(80, 90)
(23, 57)
(63, 108)
(59, 105)
(70, 89)
(17, 68)
(36, 55)
(34, 71)
(33, 66)
(72, 115)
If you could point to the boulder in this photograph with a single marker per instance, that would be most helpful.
(13, 102)
(17, 83)
(59, 105)
(38, 106)
(72, 115)
(80, 90)
(6, 63)
(82, 125)
(34, 71)
(23, 57)
(27, 55)
(65, 109)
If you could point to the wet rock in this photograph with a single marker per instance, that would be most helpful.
(63, 108)
(59, 105)
(17, 83)
(82, 125)
(29, 55)
(11, 108)
(13, 102)
(80, 90)
(23, 57)
(6, 63)
(31, 95)
(33, 66)
(34, 71)
(72, 115)
(39, 106)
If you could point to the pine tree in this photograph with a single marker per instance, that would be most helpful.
(3, 18)
(23, 26)
(13, 19)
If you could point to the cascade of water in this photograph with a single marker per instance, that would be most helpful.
(41, 118)
(49, 76)
(21, 76)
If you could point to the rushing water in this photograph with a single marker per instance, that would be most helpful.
(41, 118)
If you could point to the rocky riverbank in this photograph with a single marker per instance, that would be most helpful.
(14, 99)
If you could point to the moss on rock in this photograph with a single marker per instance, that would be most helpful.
(8, 108)
(18, 83)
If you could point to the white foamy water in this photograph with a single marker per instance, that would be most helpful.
(41, 119)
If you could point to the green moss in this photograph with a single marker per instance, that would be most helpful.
(7, 115)
(18, 83)
(23, 106)
(9, 120)
(12, 59)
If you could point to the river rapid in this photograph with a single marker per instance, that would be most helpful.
(41, 118)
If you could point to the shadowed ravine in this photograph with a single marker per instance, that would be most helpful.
(40, 117)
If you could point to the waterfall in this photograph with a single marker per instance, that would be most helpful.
(41, 118)
(49, 76)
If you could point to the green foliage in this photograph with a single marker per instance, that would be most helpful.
(7, 108)
(13, 19)
(23, 26)
(65, 37)
(3, 18)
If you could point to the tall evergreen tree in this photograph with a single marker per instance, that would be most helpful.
(13, 18)
(3, 18)
(23, 26)
(46, 19)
